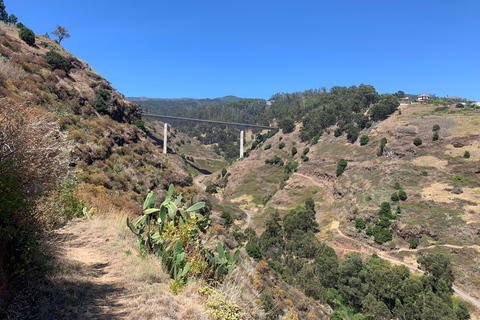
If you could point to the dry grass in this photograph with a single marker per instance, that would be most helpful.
(95, 272)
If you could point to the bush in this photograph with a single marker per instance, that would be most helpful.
(402, 195)
(337, 132)
(305, 158)
(342, 163)
(382, 235)
(360, 224)
(224, 172)
(436, 127)
(435, 136)
(227, 218)
(140, 124)
(27, 35)
(459, 105)
(57, 61)
(466, 155)
(20, 25)
(274, 160)
(253, 250)
(394, 197)
(268, 146)
(305, 151)
(211, 189)
(397, 186)
(281, 145)
(364, 140)
(417, 141)
(294, 151)
(424, 173)
(413, 243)
(392, 245)
(290, 167)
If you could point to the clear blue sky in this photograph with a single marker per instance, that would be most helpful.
(255, 48)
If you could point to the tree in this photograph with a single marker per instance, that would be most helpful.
(466, 155)
(287, 125)
(360, 224)
(342, 163)
(3, 12)
(394, 197)
(60, 33)
(57, 61)
(436, 127)
(435, 136)
(413, 243)
(224, 172)
(364, 140)
(227, 218)
(417, 141)
(27, 35)
(294, 151)
(402, 195)
(12, 19)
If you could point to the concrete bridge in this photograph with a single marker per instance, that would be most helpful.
(167, 119)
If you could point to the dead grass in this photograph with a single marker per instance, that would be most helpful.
(95, 272)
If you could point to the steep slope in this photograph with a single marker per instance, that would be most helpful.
(440, 178)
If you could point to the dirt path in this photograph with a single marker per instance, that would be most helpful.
(196, 181)
(335, 226)
(95, 273)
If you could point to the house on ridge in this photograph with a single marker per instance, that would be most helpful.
(424, 97)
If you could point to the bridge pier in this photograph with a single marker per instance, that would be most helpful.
(241, 143)
(165, 138)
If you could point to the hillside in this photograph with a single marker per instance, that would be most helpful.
(440, 178)
(73, 147)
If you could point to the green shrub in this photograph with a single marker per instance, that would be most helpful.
(274, 160)
(305, 158)
(253, 250)
(379, 153)
(364, 140)
(337, 132)
(385, 210)
(294, 151)
(224, 172)
(360, 224)
(342, 163)
(424, 173)
(281, 145)
(27, 35)
(402, 195)
(268, 146)
(20, 25)
(57, 61)
(436, 127)
(290, 167)
(382, 235)
(227, 218)
(413, 243)
(435, 136)
(394, 197)
(392, 245)
(211, 189)
(383, 142)
(417, 141)
(466, 155)
(305, 151)
(140, 124)
(459, 105)
(397, 186)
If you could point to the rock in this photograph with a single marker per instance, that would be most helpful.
(458, 144)
(457, 189)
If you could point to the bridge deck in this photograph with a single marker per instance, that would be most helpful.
(241, 126)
